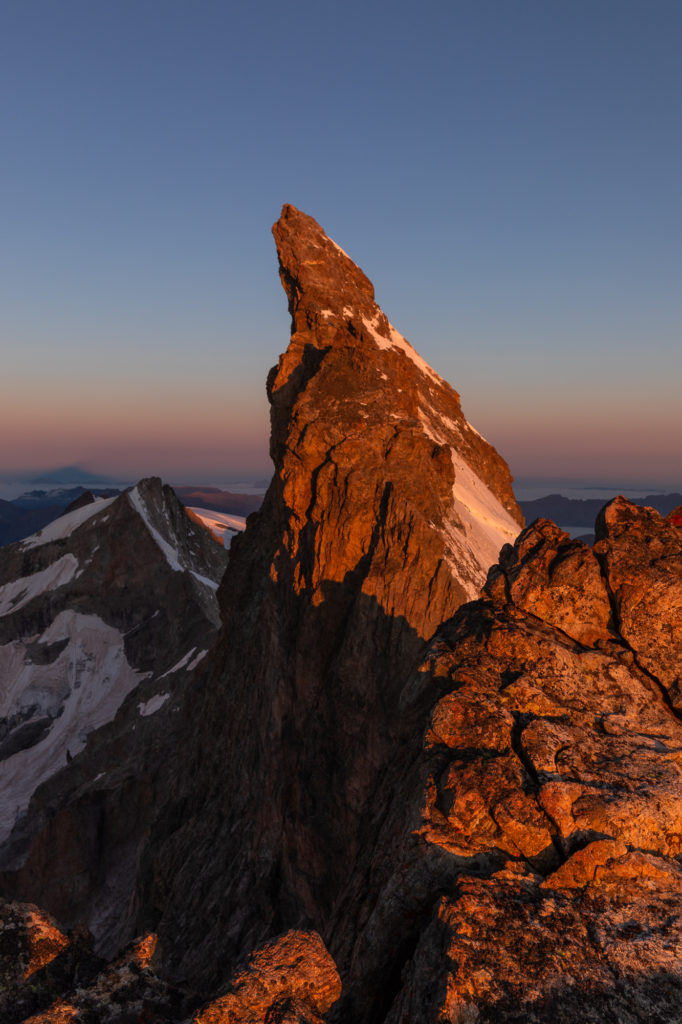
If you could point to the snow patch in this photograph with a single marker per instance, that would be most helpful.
(65, 525)
(195, 661)
(153, 704)
(396, 341)
(205, 580)
(80, 691)
(222, 525)
(19, 592)
(478, 527)
(188, 661)
(342, 251)
(431, 421)
(180, 664)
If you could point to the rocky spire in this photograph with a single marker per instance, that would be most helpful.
(389, 421)
(385, 510)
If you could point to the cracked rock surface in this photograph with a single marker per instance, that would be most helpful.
(539, 861)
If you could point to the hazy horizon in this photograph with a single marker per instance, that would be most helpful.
(507, 176)
(525, 487)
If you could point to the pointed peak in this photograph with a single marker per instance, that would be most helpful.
(313, 268)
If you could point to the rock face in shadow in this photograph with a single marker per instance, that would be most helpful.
(385, 510)
(101, 614)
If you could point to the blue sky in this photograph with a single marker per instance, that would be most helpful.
(506, 173)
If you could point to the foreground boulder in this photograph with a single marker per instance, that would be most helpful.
(292, 978)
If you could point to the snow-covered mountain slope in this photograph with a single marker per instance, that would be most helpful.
(221, 525)
(115, 594)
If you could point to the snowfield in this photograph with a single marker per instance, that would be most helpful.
(222, 525)
(19, 592)
(78, 692)
(65, 525)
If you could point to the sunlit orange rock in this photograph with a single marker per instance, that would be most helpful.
(557, 579)
(292, 979)
(642, 557)
(60, 1013)
(582, 867)
(29, 942)
(385, 511)
(539, 855)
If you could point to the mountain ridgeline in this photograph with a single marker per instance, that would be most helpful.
(429, 769)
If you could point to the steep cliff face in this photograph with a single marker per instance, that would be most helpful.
(385, 510)
(371, 446)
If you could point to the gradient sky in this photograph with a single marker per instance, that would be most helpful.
(507, 173)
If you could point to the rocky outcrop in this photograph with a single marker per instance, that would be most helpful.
(385, 510)
(366, 436)
(643, 563)
(530, 859)
(48, 977)
(101, 615)
(293, 978)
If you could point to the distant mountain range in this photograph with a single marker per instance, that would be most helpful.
(583, 511)
(33, 510)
